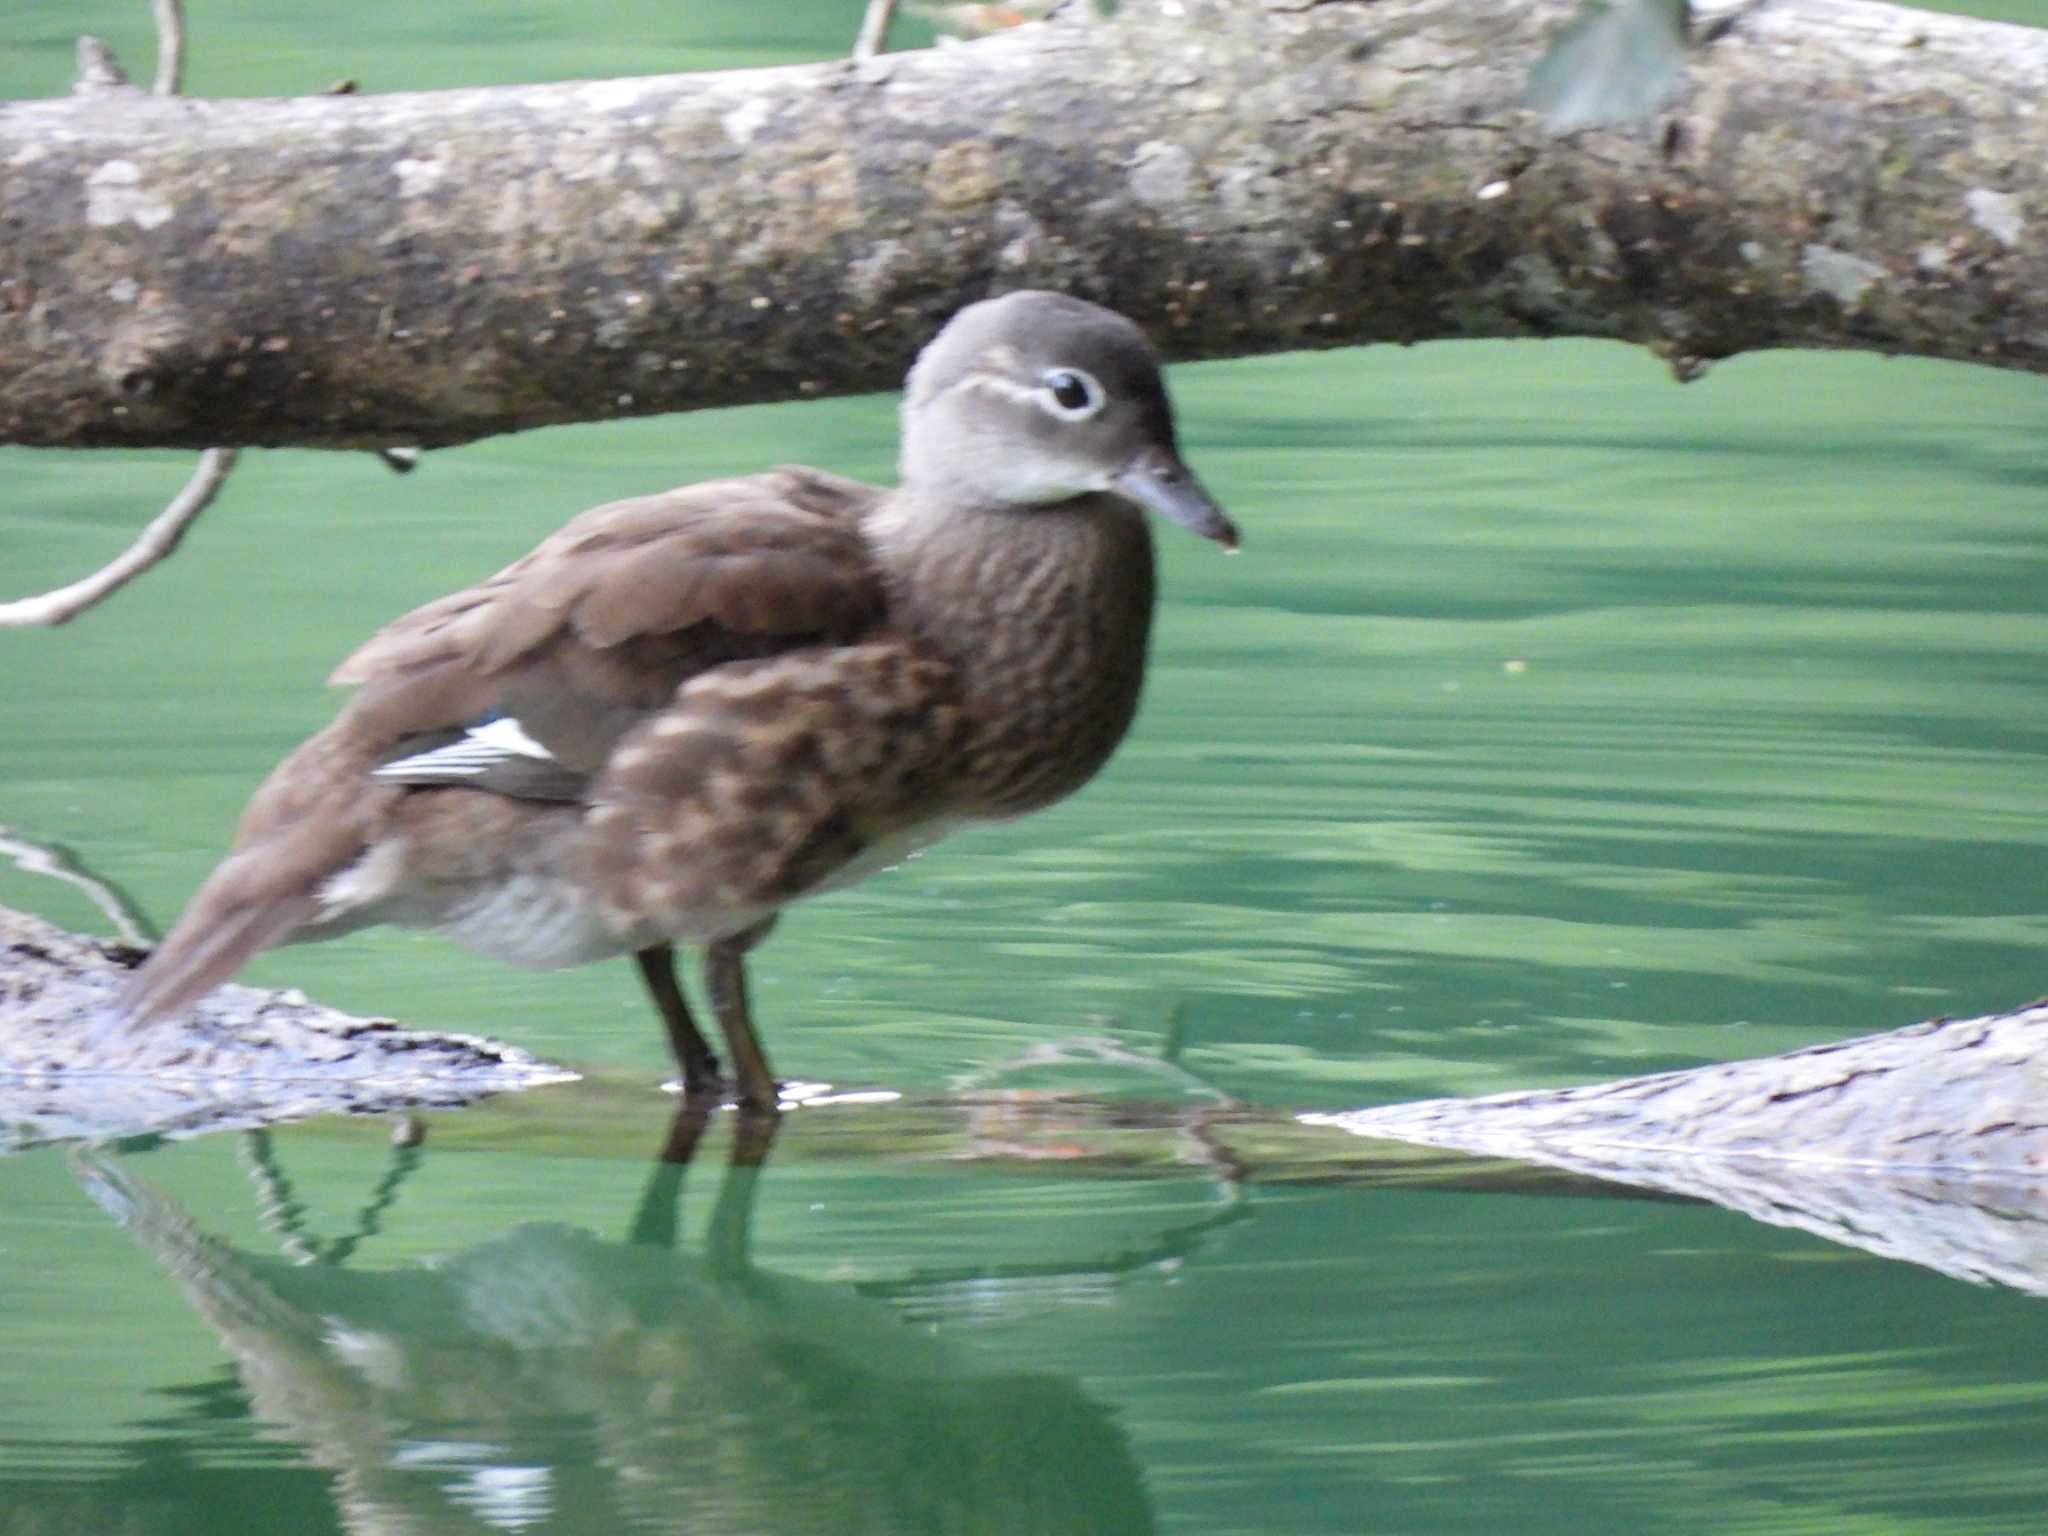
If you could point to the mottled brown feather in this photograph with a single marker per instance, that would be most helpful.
(765, 778)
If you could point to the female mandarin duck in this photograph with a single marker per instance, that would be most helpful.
(682, 712)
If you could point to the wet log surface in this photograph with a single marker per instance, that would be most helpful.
(1960, 1096)
(1927, 1144)
(1924, 1144)
(245, 1056)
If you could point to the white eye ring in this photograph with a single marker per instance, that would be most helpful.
(1073, 393)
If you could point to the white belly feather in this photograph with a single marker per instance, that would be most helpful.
(538, 919)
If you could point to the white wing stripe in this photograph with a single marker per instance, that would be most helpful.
(507, 735)
(482, 748)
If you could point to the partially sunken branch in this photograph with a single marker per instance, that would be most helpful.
(1247, 176)
(1925, 1144)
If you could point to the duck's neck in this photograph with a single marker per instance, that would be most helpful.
(1044, 612)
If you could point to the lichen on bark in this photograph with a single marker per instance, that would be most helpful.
(1241, 177)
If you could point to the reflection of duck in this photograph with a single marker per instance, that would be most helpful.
(552, 1376)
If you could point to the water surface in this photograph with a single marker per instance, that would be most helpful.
(1557, 723)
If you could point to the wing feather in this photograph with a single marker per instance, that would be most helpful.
(773, 554)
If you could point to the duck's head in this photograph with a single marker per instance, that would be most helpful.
(1036, 398)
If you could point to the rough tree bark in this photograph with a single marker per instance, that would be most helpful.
(1241, 176)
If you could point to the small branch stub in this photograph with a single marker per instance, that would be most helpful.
(98, 70)
(874, 28)
(170, 46)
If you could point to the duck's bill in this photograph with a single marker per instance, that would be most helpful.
(1158, 481)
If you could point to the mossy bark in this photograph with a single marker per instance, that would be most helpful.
(1245, 176)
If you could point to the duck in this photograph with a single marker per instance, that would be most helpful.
(684, 711)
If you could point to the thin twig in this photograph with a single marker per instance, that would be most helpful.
(170, 46)
(100, 71)
(58, 862)
(156, 542)
(874, 28)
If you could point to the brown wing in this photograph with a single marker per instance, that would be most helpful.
(772, 554)
(600, 623)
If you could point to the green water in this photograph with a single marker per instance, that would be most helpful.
(1556, 724)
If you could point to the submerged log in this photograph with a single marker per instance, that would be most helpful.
(1926, 1144)
(244, 1056)
(1959, 1096)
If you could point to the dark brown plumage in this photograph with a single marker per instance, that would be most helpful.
(684, 711)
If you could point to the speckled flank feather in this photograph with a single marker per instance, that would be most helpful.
(684, 711)
(765, 778)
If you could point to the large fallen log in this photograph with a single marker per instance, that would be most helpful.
(1238, 175)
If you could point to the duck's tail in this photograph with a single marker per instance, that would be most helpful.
(225, 926)
(309, 821)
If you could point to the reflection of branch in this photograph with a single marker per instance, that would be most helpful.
(156, 542)
(38, 858)
(935, 1293)
(277, 1207)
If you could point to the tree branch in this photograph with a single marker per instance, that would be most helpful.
(99, 73)
(1251, 175)
(35, 857)
(170, 46)
(874, 28)
(155, 544)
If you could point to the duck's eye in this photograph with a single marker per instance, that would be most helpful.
(1073, 392)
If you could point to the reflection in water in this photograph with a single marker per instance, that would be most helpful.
(552, 1377)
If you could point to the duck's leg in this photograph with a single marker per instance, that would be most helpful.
(700, 1066)
(725, 971)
